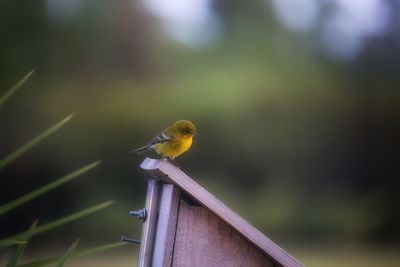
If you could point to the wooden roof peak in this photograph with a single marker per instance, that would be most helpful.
(167, 172)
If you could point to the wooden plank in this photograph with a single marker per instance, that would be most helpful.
(162, 168)
(202, 239)
(148, 230)
(166, 226)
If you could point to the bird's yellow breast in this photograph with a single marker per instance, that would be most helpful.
(174, 147)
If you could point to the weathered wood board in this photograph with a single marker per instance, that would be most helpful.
(149, 226)
(166, 225)
(165, 172)
(204, 240)
(187, 226)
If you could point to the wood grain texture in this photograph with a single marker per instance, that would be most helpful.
(166, 226)
(148, 229)
(165, 170)
(203, 240)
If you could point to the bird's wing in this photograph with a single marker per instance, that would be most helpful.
(161, 138)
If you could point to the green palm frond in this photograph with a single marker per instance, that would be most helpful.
(61, 261)
(13, 89)
(21, 248)
(11, 157)
(57, 223)
(80, 253)
(28, 197)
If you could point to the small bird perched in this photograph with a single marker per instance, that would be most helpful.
(173, 141)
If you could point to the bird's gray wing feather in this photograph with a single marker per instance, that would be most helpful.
(161, 138)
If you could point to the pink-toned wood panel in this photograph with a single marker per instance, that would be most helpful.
(166, 226)
(148, 230)
(204, 240)
(167, 172)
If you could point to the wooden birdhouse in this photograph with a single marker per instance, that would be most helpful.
(187, 226)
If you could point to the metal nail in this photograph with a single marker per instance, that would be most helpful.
(141, 214)
(129, 240)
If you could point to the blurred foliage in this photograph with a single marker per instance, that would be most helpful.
(302, 145)
(22, 239)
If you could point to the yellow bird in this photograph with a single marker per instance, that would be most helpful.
(173, 141)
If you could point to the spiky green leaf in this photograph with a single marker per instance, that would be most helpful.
(10, 242)
(13, 89)
(61, 261)
(57, 223)
(21, 248)
(11, 157)
(28, 197)
(80, 253)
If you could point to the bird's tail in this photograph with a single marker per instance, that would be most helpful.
(140, 150)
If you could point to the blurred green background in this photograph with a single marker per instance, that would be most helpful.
(296, 103)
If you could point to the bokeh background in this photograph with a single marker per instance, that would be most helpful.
(296, 103)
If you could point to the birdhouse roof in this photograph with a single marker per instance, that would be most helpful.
(169, 173)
